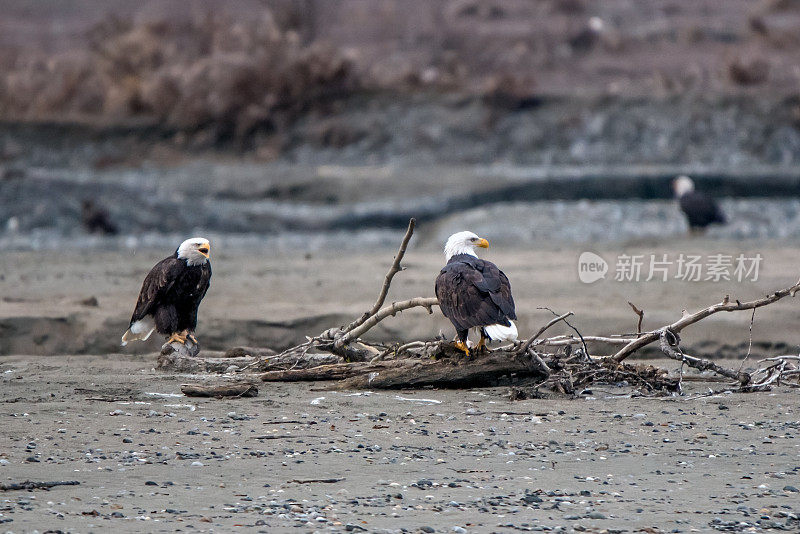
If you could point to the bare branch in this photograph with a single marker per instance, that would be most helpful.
(382, 314)
(750, 340)
(687, 320)
(387, 281)
(640, 313)
(524, 348)
(583, 341)
(670, 345)
(558, 341)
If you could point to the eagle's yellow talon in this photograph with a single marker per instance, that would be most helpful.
(460, 345)
(189, 335)
(177, 338)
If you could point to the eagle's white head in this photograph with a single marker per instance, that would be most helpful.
(195, 251)
(682, 185)
(463, 243)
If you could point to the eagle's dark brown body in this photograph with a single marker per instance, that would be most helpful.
(474, 293)
(171, 294)
(700, 210)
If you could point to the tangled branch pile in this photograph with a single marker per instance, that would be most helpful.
(562, 364)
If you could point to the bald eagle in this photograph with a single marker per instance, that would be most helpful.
(700, 209)
(171, 294)
(474, 293)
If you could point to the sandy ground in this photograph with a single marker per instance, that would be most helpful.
(149, 459)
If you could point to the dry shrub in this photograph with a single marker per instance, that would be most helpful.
(213, 73)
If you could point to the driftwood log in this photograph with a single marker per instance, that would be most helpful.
(565, 364)
(220, 391)
(30, 485)
(179, 362)
(493, 369)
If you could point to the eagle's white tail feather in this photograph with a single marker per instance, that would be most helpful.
(498, 332)
(140, 330)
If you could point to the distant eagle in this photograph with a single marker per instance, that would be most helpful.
(474, 293)
(700, 209)
(97, 220)
(171, 294)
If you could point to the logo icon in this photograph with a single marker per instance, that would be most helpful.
(591, 267)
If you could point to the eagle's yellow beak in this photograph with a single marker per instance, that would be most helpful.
(483, 243)
(204, 249)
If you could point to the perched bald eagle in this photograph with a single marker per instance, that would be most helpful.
(474, 293)
(171, 294)
(700, 209)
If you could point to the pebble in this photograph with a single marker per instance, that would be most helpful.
(197, 464)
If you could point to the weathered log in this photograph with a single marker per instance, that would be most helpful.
(179, 363)
(337, 371)
(491, 369)
(219, 391)
(256, 352)
(30, 485)
(350, 353)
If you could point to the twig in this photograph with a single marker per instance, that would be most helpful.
(782, 368)
(382, 314)
(779, 358)
(316, 480)
(640, 313)
(750, 340)
(285, 436)
(524, 348)
(387, 281)
(583, 341)
(542, 365)
(559, 341)
(289, 422)
(30, 485)
(687, 320)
